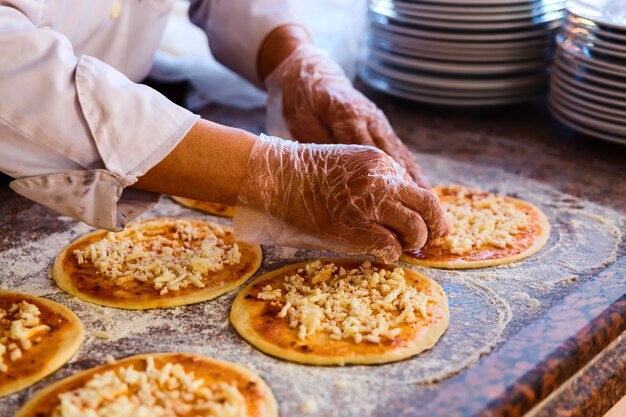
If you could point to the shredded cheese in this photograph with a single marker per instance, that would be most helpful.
(146, 253)
(363, 304)
(168, 391)
(479, 219)
(20, 326)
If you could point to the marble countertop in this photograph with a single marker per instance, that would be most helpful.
(567, 355)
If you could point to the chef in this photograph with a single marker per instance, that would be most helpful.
(81, 136)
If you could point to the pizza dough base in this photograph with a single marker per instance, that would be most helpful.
(217, 209)
(64, 281)
(457, 263)
(269, 407)
(69, 340)
(242, 320)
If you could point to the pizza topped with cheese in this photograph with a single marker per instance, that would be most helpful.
(485, 229)
(156, 263)
(37, 336)
(342, 311)
(157, 385)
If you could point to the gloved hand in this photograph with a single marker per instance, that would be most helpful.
(337, 197)
(320, 105)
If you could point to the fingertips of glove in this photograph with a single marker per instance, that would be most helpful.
(387, 140)
(378, 241)
(383, 135)
(408, 225)
(352, 132)
(426, 204)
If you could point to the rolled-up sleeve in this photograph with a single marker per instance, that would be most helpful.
(75, 132)
(237, 28)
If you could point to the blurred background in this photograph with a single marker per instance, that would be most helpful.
(461, 54)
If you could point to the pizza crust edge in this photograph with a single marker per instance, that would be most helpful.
(537, 245)
(271, 406)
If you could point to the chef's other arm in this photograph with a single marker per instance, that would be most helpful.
(319, 102)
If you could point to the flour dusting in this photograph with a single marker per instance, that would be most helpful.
(487, 305)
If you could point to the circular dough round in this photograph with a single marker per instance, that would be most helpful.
(218, 209)
(259, 400)
(49, 349)
(529, 239)
(85, 281)
(257, 321)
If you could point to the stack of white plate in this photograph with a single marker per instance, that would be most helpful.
(465, 53)
(588, 82)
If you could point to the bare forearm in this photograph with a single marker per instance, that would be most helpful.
(208, 164)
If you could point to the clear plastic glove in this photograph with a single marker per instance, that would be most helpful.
(351, 199)
(320, 105)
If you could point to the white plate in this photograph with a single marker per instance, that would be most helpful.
(458, 102)
(612, 35)
(596, 101)
(462, 68)
(565, 104)
(468, 14)
(592, 122)
(568, 95)
(587, 131)
(467, 36)
(459, 56)
(611, 13)
(458, 24)
(587, 81)
(576, 52)
(461, 83)
(587, 37)
(463, 46)
(382, 82)
(474, 8)
(575, 64)
(478, 2)
(595, 48)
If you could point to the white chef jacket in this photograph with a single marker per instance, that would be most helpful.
(75, 128)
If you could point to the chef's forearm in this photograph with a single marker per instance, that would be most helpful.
(208, 164)
(278, 45)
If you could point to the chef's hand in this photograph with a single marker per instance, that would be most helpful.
(320, 105)
(344, 198)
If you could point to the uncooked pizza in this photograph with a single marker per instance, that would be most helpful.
(340, 312)
(157, 385)
(485, 229)
(206, 206)
(37, 336)
(156, 263)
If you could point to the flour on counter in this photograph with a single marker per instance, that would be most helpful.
(486, 305)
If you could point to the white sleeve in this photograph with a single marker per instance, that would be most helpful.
(236, 29)
(74, 131)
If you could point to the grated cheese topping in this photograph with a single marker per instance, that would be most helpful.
(168, 391)
(143, 252)
(479, 219)
(20, 326)
(363, 304)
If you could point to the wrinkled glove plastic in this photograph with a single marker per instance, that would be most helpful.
(345, 198)
(320, 105)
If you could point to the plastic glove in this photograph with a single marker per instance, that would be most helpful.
(336, 197)
(320, 105)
